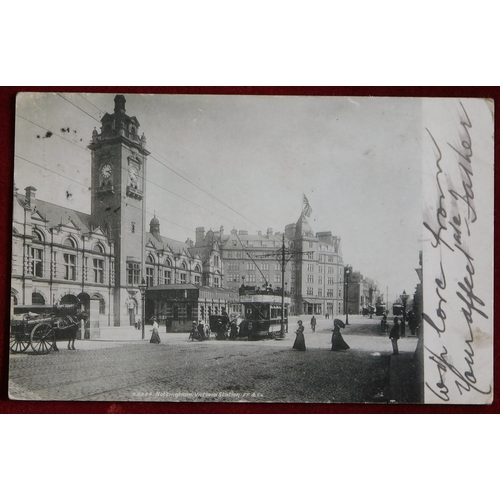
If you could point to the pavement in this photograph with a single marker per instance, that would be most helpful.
(369, 359)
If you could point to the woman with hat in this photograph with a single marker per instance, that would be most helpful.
(338, 342)
(300, 341)
(193, 334)
(155, 336)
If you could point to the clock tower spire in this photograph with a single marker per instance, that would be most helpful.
(118, 203)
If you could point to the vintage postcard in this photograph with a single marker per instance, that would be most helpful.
(229, 248)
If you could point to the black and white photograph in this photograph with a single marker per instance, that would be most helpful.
(252, 248)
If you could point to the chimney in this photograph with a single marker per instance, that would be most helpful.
(30, 197)
(221, 232)
(200, 236)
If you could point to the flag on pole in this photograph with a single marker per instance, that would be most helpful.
(307, 211)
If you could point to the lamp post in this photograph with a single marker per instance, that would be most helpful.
(404, 298)
(347, 273)
(142, 288)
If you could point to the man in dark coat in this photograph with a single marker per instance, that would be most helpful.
(394, 336)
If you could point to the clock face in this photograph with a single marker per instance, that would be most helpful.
(106, 171)
(133, 174)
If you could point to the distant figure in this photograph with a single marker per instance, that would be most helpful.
(155, 336)
(412, 323)
(338, 342)
(313, 324)
(201, 329)
(383, 323)
(233, 335)
(137, 321)
(300, 341)
(394, 336)
(194, 334)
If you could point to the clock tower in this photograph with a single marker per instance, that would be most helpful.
(118, 204)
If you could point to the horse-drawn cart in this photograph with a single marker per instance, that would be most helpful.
(41, 327)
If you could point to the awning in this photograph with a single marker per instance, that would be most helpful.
(313, 302)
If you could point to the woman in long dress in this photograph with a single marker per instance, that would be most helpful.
(338, 342)
(155, 336)
(300, 341)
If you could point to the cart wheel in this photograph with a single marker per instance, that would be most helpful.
(19, 342)
(42, 338)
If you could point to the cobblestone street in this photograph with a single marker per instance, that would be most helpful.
(179, 370)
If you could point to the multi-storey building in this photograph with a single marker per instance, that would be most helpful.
(362, 293)
(60, 255)
(313, 274)
(317, 270)
(252, 260)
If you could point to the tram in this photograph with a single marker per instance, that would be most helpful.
(397, 309)
(261, 310)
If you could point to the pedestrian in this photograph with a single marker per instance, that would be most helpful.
(338, 342)
(412, 323)
(300, 341)
(155, 336)
(233, 330)
(394, 336)
(193, 334)
(313, 324)
(201, 329)
(137, 322)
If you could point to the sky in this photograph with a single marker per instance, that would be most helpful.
(357, 160)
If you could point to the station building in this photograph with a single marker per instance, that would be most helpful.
(63, 256)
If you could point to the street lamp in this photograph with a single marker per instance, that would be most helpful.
(404, 298)
(142, 288)
(347, 273)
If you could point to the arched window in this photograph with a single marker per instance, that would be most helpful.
(37, 299)
(69, 260)
(98, 264)
(69, 242)
(168, 262)
(150, 271)
(36, 264)
(183, 274)
(37, 236)
(98, 248)
(197, 269)
(69, 299)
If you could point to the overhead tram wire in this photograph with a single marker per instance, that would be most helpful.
(201, 189)
(91, 103)
(53, 133)
(147, 180)
(88, 187)
(52, 171)
(179, 174)
(78, 107)
(251, 258)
